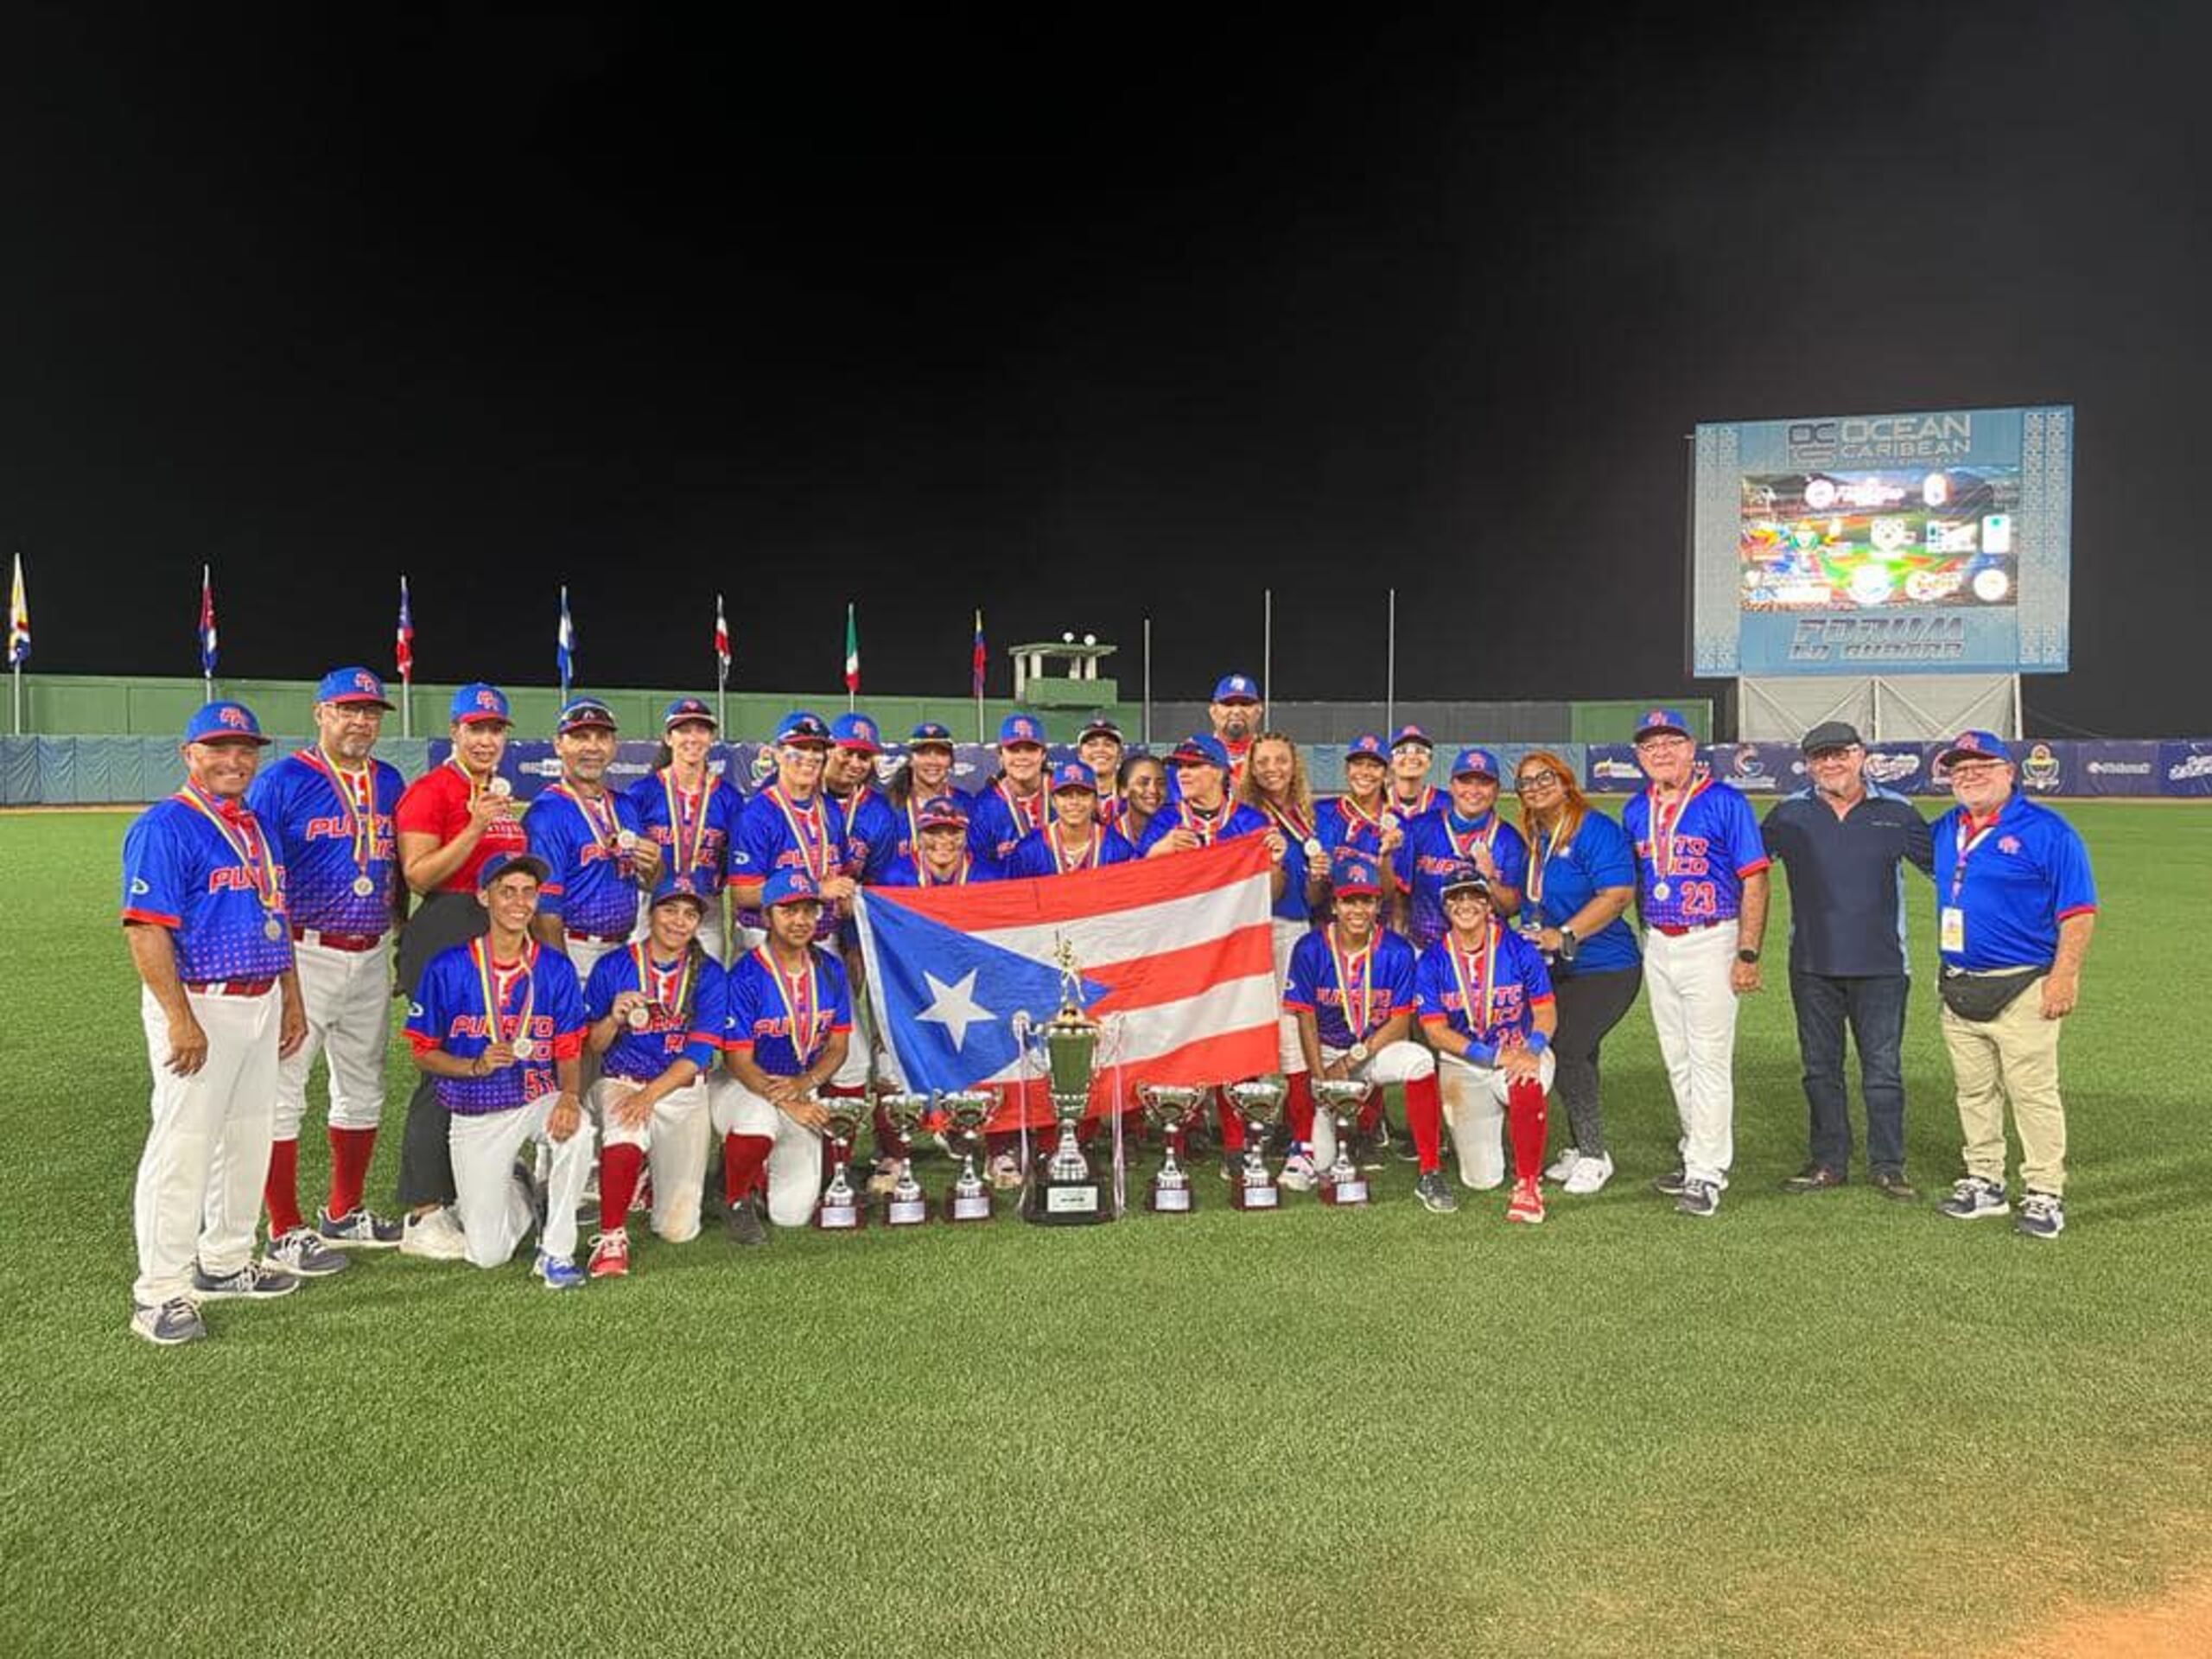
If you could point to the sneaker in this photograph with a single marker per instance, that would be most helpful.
(1813, 1177)
(175, 1322)
(1590, 1174)
(1005, 1171)
(641, 1200)
(1891, 1183)
(1699, 1198)
(1298, 1173)
(610, 1255)
(256, 1281)
(304, 1256)
(1670, 1185)
(2043, 1215)
(1435, 1193)
(1527, 1204)
(743, 1222)
(885, 1178)
(1972, 1198)
(433, 1236)
(557, 1271)
(1562, 1167)
(357, 1229)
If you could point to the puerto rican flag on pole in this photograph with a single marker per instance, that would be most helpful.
(980, 662)
(1175, 953)
(207, 623)
(402, 649)
(564, 644)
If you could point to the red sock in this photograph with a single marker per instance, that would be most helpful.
(1525, 1120)
(1424, 1118)
(280, 1188)
(1298, 1108)
(350, 1152)
(619, 1166)
(1231, 1123)
(1370, 1112)
(744, 1156)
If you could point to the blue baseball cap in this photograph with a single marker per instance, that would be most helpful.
(477, 703)
(1099, 726)
(1200, 749)
(688, 708)
(678, 884)
(804, 729)
(1236, 688)
(1463, 874)
(1411, 734)
(1369, 747)
(1020, 728)
(928, 733)
(855, 732)
(1658, 721)
(501, 864)
(942, 812)
(1966, 746)
(789, 888)
(1355, 875)
(579, 713)
(1476, 763)
(1073, 774)
(214, 722)
(352, 686)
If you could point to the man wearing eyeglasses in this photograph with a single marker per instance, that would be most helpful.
(1844, 844)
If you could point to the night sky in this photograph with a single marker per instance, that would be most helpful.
(1076, 320)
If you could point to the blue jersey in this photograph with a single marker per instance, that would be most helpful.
(775, 832)
(766, 1006)
(695, 829)
(873, 828)
(449, 1013)
(998, 819)
(216, 890)
(1700, 850)
(1490, 995)
(1438, 843)
(1233, 820)
(1039, 852)
(689, 1011)
(1340, 823)
(593, 887)
(2012, 881)
(332, 829)
(1563, 879)
(1382, 985)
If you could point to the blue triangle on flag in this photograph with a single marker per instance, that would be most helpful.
(950, 998)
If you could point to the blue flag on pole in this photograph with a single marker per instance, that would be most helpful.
(566, 640)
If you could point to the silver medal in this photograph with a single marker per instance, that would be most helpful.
(1662, 892)
(1313, 847)
(640, 1017)
(501, 787)
(626, 840)
(525, 1049)
(362, 887)
(273, 928)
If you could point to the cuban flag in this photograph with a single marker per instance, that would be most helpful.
(982, 660)
(206, 622)
(565, 641)
(1175, 963)
(403, 650)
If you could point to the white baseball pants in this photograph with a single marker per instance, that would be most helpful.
(199, 1189)
(674, 1140)
(1284, 936)
(1398, 1062)
(495, 1213)
(347, 995)
(1474, 1110)
(795, 1159)
(1694, 1008)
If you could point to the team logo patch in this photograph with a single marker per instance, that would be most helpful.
(488, 699)
(138, 887)
(2009, 844)
(234, 718)
(414, 1010)
(365, 682)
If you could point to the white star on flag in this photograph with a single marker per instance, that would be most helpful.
(954, 1007)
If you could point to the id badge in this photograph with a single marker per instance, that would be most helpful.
(1953, 928)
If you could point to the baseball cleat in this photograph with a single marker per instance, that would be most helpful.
(743, 1222)
(1435, 1193)
(358, 1229)
(1973, 1197)
(1699, 1198)
(557, 1271)
(2043, 1215)
(304, 1256)
(256, 1281)
(1563, 1165)
(1527, 1202)
(434, 1235)
(1590, 1174)
(175, 1322)
(610, 1255)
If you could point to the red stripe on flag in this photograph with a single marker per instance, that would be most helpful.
(1085, 894)
(1172, 976)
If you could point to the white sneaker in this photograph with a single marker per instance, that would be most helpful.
(1562, 1167)
(1297, 1172)
(436, 1237)
(1589, 1174)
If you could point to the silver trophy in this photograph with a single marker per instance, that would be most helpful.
(839, 1208)
(1168, 1108)
(905, 1205)
(1064, 1191)
(1259, 1103)
(1340, 1097)
(965, 1114)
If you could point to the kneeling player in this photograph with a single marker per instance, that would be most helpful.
(1351, 990)
(499, 1024)
(657, 1011)
(790, 1019)
(1487, 1009)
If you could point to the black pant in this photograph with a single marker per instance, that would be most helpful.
(425, 1156)
(1589, 1006)
(1873, 1007)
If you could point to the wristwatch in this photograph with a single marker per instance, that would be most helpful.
(1747, 955)
(1357, 1053)
(1567, 944)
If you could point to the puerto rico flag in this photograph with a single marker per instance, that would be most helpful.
(982, 660)
(206, 622)
(402, 649)
(1175, 961)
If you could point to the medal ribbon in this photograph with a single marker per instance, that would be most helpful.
(1356, 968)
(1028, 809)
(1664, 822)
(1352, 809)
(671, 989)
(1203, 827)
(687, 852)
(807, 999)
(1088, 862)
(1486, 976)
(808, 832)
(495, 1002)
(1481, 837)
(1543, 851)
(599, 820)
(1286, 821)
(1966, 846)
(247, 844)
(355, 792)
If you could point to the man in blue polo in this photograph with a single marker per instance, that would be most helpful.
(1844, 844)
(2015, 907)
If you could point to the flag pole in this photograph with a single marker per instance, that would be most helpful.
(1390, 673)
(1267, 644)
(980, 666)
(721, 667)
(1147, 682)
(207, 609)
(19, 636)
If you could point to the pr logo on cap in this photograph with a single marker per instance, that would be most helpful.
(365, 682)
(488, 698)
(232, 716)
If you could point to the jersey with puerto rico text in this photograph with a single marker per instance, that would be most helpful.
(180, 873)
(764, 1004)
(1438, 843)
(331, 827)
(775, 833)
(1039, 853)
(592, 888)
(998, 819)
(1234, 820)
(448, 1014)
(703, 822)
(2020, 876)
(1713, 844)
(1382, 983)
(1451, 986)
(1340, 823)
(689, 1011)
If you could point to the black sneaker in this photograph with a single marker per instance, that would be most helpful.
(168, 1325)
(256, 1281)
(1815, 1178)
(743, 1223)
(2042, 1215)
(1699, 1198)
(1891, 1183)
(1435, 1193)
(1670, 1185)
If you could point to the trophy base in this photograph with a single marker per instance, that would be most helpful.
(844, 1217)
(968, 1206)
(906, 1212)
(1256, 1197)
(1345, 1194)
(1169, 1200)
(1068, 1203)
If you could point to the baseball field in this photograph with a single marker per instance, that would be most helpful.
(1825, 1425)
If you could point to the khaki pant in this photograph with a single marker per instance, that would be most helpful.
(2012, 1058)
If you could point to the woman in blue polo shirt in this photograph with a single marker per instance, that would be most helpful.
(1582, 879)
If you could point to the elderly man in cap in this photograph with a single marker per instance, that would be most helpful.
(1843, 843)
(2015, 906)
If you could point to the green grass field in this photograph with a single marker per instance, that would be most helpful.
(1827, 1425)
